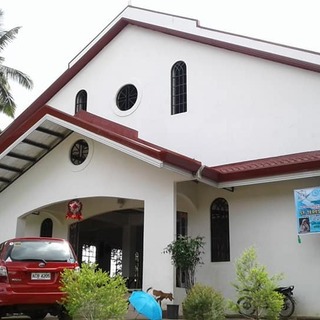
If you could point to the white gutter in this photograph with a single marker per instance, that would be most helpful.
(284, 177)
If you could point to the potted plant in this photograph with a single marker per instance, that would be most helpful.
(185, 254)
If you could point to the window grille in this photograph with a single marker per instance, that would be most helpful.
(89, 253)
(46, 228)
(179, 88)
(81, 101)
(220, 242)
(127, 97)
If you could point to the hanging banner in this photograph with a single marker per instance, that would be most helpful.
(307, 203)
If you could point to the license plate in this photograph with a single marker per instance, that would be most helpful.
(41, 276)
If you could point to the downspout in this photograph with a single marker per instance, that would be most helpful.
(199, 172)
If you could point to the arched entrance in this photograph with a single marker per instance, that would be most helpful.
(113, 240)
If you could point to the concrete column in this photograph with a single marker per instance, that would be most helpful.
(159, 231)
(128, 251)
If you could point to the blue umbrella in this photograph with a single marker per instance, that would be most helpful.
(146, 305)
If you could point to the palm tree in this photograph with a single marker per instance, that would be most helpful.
(7, 104)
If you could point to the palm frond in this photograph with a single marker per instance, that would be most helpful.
(16, 75)
(7, 36)
(7, 104)
(1, 17)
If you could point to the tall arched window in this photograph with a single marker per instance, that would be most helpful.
(81, 101)
(46, 228)
(179, 88)
(220, 242)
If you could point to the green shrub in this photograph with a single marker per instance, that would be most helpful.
(256, 297)
(203, 303)
(92, 294)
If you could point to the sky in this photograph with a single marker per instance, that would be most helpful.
(53, 32)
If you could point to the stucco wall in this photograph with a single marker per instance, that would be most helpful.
(108, 173)
(262, 216)
(236, 103)
(239, 108)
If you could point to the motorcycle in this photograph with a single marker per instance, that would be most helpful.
(246, 307)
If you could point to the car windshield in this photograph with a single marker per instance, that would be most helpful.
(40, 250)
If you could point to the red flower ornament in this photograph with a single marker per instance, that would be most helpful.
(74, 210)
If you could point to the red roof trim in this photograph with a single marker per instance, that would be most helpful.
(122, 23)
(294, 163)
(288, 164)
(105, 123)
(128, 137)
(103, 127)
(232, 47)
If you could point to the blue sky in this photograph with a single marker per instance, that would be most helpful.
(53, 32)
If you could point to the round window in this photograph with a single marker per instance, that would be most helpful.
(79, 152)
(127, 97)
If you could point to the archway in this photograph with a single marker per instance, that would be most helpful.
(113, 240)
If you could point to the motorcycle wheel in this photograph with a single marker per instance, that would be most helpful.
(245, 306)
(288, 307)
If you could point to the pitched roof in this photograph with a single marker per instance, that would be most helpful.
(40, 128)
(32, 136)
(183, 28)
(191, 29)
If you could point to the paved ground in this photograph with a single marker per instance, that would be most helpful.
(131, 315)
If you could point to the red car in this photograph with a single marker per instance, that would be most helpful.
(30, 276)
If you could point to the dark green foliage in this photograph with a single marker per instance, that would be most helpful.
(186, 255)
(92, 294)
(7, 104)
(203, 303)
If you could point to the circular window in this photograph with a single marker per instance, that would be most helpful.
(79, 152)
(127, 97)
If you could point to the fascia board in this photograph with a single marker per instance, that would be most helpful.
(278, 178)
(108, 142)
(191, 29)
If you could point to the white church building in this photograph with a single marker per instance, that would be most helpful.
(161, 127)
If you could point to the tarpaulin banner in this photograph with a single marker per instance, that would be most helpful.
(307, 203)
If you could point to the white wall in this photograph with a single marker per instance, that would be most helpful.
(239, 108)
(236, 103)
(262, 216)
(33, 223)
(107, 173)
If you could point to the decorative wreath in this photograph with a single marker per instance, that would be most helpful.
(74, 210)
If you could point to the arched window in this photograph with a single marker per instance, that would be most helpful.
(179, 88)
(220, 243)
(81, 101)
(46, 228)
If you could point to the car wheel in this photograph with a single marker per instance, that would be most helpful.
(37, 315)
